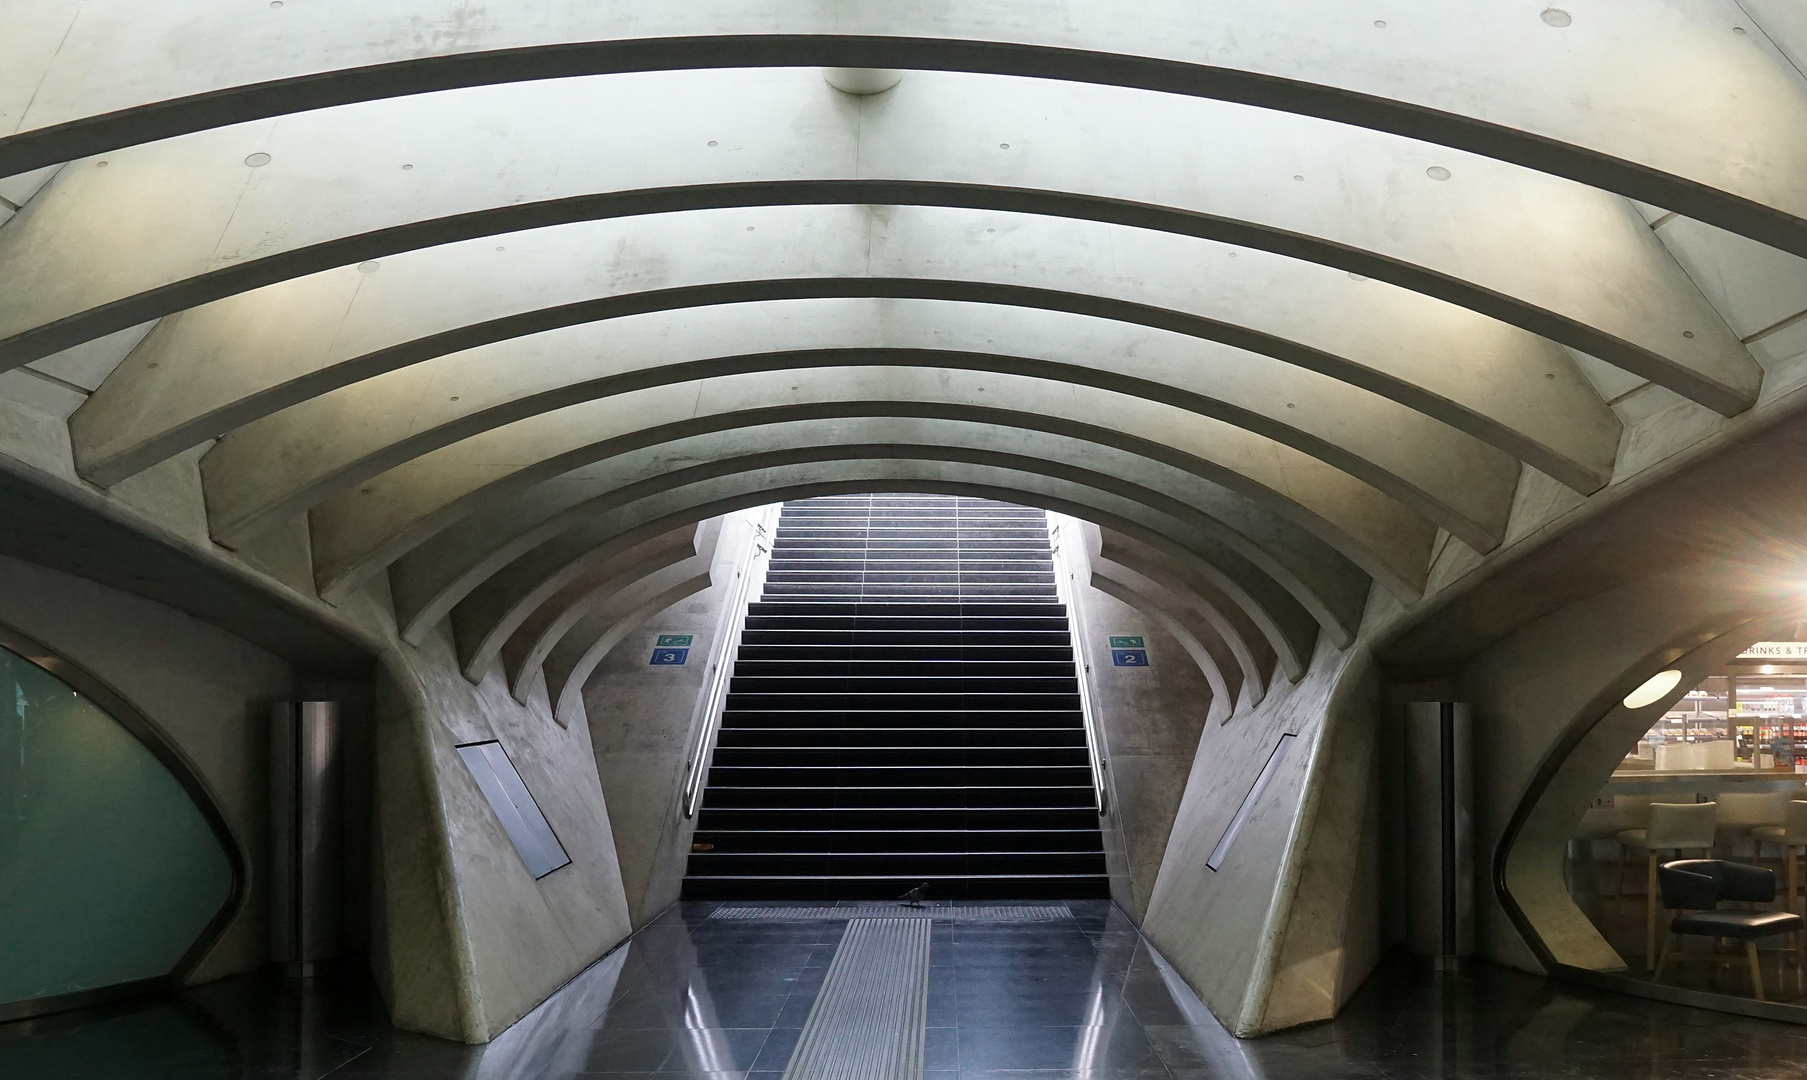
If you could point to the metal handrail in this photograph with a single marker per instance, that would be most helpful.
(1064, 573)
(707, 719)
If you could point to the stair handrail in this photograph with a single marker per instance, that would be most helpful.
(748, 574)
(1064, 575)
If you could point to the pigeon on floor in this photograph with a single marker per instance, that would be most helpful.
(913, 898)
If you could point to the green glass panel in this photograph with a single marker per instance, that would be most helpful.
(108, 870)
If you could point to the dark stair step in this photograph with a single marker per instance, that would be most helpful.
(838, 716)
(902, 820)
(894, 776)
(912, 756)
(846, 841)
(897, 737)
(788, 797)
(999, 887)
(895, 863)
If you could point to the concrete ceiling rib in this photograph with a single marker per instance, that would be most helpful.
(1207, 651)
(211, 369)
(1218, 616)
(576, 655)
(429, 579)
(1548, 255)
(276, 467)
(527, 647)
(1379, 532)
(646, 434)
(1724, 146)
(612, 517)
(1318, 579)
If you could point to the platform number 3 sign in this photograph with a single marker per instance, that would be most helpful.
(672, 648)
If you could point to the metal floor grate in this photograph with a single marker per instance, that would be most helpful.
(870, 1020)
(962, 913)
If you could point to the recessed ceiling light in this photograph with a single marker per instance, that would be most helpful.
(1654, 689)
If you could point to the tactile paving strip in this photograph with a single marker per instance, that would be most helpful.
(996, 913)
(871, 1016)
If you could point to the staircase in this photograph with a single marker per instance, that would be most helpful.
(904, 710)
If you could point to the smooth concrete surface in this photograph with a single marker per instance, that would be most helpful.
(1152, 720)
(1574, 264)
(1226, 929)
(1538, 90)
(641, 718)
(504, 940)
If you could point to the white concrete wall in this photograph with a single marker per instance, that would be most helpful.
(1227, 930)
(642, 724)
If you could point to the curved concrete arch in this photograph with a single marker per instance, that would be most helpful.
(430, 579)
(1320, 581)
(568, 666)
(276, 467)
(613, 521)
(1211, 656)
(1203, 619)
(1553, 257)
(1203, 595)
(1371, 530)
(692, 549)
(208, 370)
(1594, 102)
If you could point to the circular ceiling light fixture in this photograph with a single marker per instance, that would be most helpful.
(1654, 689)
(862, 82)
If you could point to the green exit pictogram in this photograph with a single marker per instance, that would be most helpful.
(1126, 641)
(673, 641)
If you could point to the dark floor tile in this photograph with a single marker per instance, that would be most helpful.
(1004, 1005)
(1119, 1045)
(776, 1053)
(941, 1049)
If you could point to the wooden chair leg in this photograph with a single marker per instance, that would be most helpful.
(1800, 959)
(1793, 880)
(1650, 917)
(1662, 961)
(1750, 952)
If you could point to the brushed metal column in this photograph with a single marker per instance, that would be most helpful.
(1439, 817)
(307, 840)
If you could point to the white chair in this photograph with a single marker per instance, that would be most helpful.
(1791, 837)
(1677, 827)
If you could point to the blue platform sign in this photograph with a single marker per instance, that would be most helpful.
(670, 656)
(1129, 657)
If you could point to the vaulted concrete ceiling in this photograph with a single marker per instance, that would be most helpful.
(505, 300)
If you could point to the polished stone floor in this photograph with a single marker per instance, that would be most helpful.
(1077, 999)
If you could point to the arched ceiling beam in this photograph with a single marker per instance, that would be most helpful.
(1556, 258)
(607, 523)
(1210, 461)
(427, 580)
(1211, 655)
(691, 549)
(1221, 611)
(276, 467)
(211, 369)
(1596, 101)
(568, 666)
(1321, 581)
(1204, 620)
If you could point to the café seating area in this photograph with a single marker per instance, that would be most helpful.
(1636, 867)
